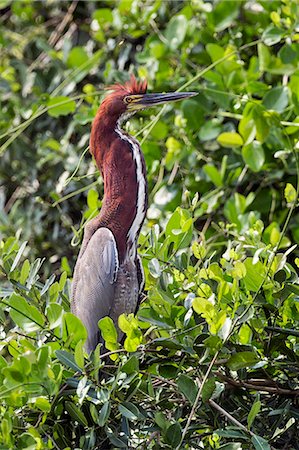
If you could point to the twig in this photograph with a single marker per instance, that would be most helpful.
(155, 435)
(18, 193)
(173, 173)
(287, 331)
(258, 387)
(55, 35)
(156, 30)
(229, 417)
(196, 402)
(51, 439)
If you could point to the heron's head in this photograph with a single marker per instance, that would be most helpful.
(124, 100)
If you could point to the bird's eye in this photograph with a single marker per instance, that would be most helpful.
(128, 99)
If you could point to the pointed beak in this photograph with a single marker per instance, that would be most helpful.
(148, 100)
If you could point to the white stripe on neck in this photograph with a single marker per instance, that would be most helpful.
(141, 193)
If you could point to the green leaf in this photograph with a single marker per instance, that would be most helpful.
(230, 139)
(231, 446)
(129, 325)
(103, 16)
(247, 129)
(154, 267)
(109, 335)
(208, 389)
(79, 355)
(253, 155)
(261, 125)
(288, 54)
(73, 329)
(231, 433)
(239, 270)
(203, 306)
(193, 112)
(272, 35)
(76, 413)
(176, 31)
(255, 275)
(188, 388)
(108, 329)
(60, 106)
(213, 174)
(54, 314)
(276, 99)
(160, 130)
(129, 410)
(24, 315)
(77, 56)
(67, 360)
(43, 404)
(104, 414)
(241, 360)
(161, 421)
(260, 443)
(255, 409)
(290, 193)
(115, 441)
(168, 370)
(42, 359)
(245, 334)
(179, 228)
(18, 256)
(92, 199)
(173, 435)
(25, 271)
(199, 250)
(131, 366)
(209, 131)
(223, 14)
(215, 51)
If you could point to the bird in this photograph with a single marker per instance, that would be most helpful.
(108, 276)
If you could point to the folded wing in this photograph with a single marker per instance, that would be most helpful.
(93, 288)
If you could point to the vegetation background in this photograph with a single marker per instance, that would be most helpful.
(211, 360)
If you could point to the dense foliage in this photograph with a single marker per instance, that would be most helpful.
(211, 360)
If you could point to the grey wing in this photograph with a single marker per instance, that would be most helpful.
(94, 283)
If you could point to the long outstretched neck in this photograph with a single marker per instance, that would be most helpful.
(121, 162)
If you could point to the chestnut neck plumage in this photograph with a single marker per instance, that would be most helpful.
(120, 160)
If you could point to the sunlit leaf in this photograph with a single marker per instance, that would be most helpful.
(176, 30)
(253, 155)
(290, 193)
(25, 315)
(60, 106)
(230, 139)
(276, 99)
(255, 409)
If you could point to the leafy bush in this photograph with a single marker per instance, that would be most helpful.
(211, 360)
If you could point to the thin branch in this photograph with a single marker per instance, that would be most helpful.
(287, 331)
(230, 417)
(197, 400)
(55, 35)
(258, 386)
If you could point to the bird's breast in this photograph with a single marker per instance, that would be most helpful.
(125, 194)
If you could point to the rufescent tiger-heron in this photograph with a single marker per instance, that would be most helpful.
(108, 276)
